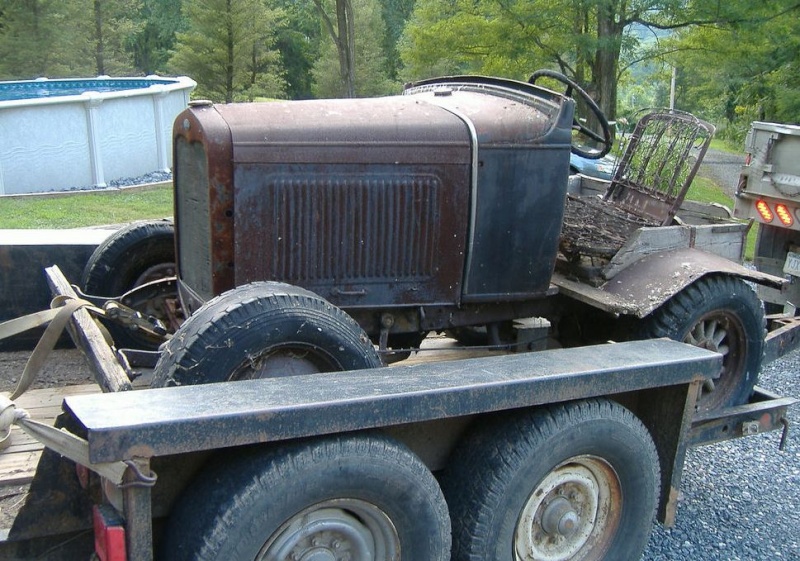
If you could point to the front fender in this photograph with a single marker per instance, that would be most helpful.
(650, 282)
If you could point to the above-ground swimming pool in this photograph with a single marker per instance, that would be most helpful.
(58, 135)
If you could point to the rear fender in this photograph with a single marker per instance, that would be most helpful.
(654, 279)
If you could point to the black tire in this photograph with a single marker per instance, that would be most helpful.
(568, 482)
(134, 255)
(263, 329)
(138, 253)
(346, 492)
(723, 314)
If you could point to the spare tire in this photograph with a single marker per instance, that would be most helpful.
(136, 254)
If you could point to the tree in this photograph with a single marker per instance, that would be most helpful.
(395, 15)
(152, 44)
(342, 33)
(366, 75)
(589, 40)
(737, 74)
(228, 49)
(57, 39)
(114, 23)
(27, 37)
(298, 41)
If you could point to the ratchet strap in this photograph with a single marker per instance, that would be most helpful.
(61, 441)
(61, 309)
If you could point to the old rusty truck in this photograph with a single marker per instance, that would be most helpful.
(316, 241)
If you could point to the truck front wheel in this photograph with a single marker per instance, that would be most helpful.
(722, 314)
(358, 497)
(570, 482)
(262, 330)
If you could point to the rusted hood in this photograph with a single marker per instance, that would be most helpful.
(371, 131)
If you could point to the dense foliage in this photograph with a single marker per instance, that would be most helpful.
(736, 61)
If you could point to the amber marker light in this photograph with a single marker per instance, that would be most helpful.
(764, 211)
(784, 214)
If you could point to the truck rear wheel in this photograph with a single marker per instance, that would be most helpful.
(134, 255)
(262, 330)
(574, 481)
(721, 314)
(354, 497)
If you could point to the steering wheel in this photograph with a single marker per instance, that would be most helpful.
(605, 138)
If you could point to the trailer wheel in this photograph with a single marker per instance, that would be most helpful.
(134, 255)
(356, 497)
(571, 482)
(722, 314)
(262, 330)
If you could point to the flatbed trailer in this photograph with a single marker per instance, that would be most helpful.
(161, 442)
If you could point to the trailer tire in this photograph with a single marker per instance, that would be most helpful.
(136, 254)
(723, 314)
(567, 482)
(263, 329)
(353, 497)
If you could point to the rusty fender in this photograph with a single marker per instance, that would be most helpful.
(650, 282)
(654, 279)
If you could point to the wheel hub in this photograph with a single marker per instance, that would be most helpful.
(340, 530)
(318, 555)
(559, 518)
(569, 514)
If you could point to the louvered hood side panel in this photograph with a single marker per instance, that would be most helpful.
(357, 239)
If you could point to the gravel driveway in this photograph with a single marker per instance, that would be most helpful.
(740, 500)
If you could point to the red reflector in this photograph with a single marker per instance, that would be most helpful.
(764, 211)
(109, 534)
(784, 214)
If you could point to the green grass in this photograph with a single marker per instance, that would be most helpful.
(706, 191)
(725, 146)
(76, 210)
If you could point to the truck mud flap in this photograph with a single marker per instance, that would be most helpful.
(764, 413)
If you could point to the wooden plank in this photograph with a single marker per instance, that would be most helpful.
(87, 337)
(645, 241)
(725, 240)
(19, 468)
(18, 462)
